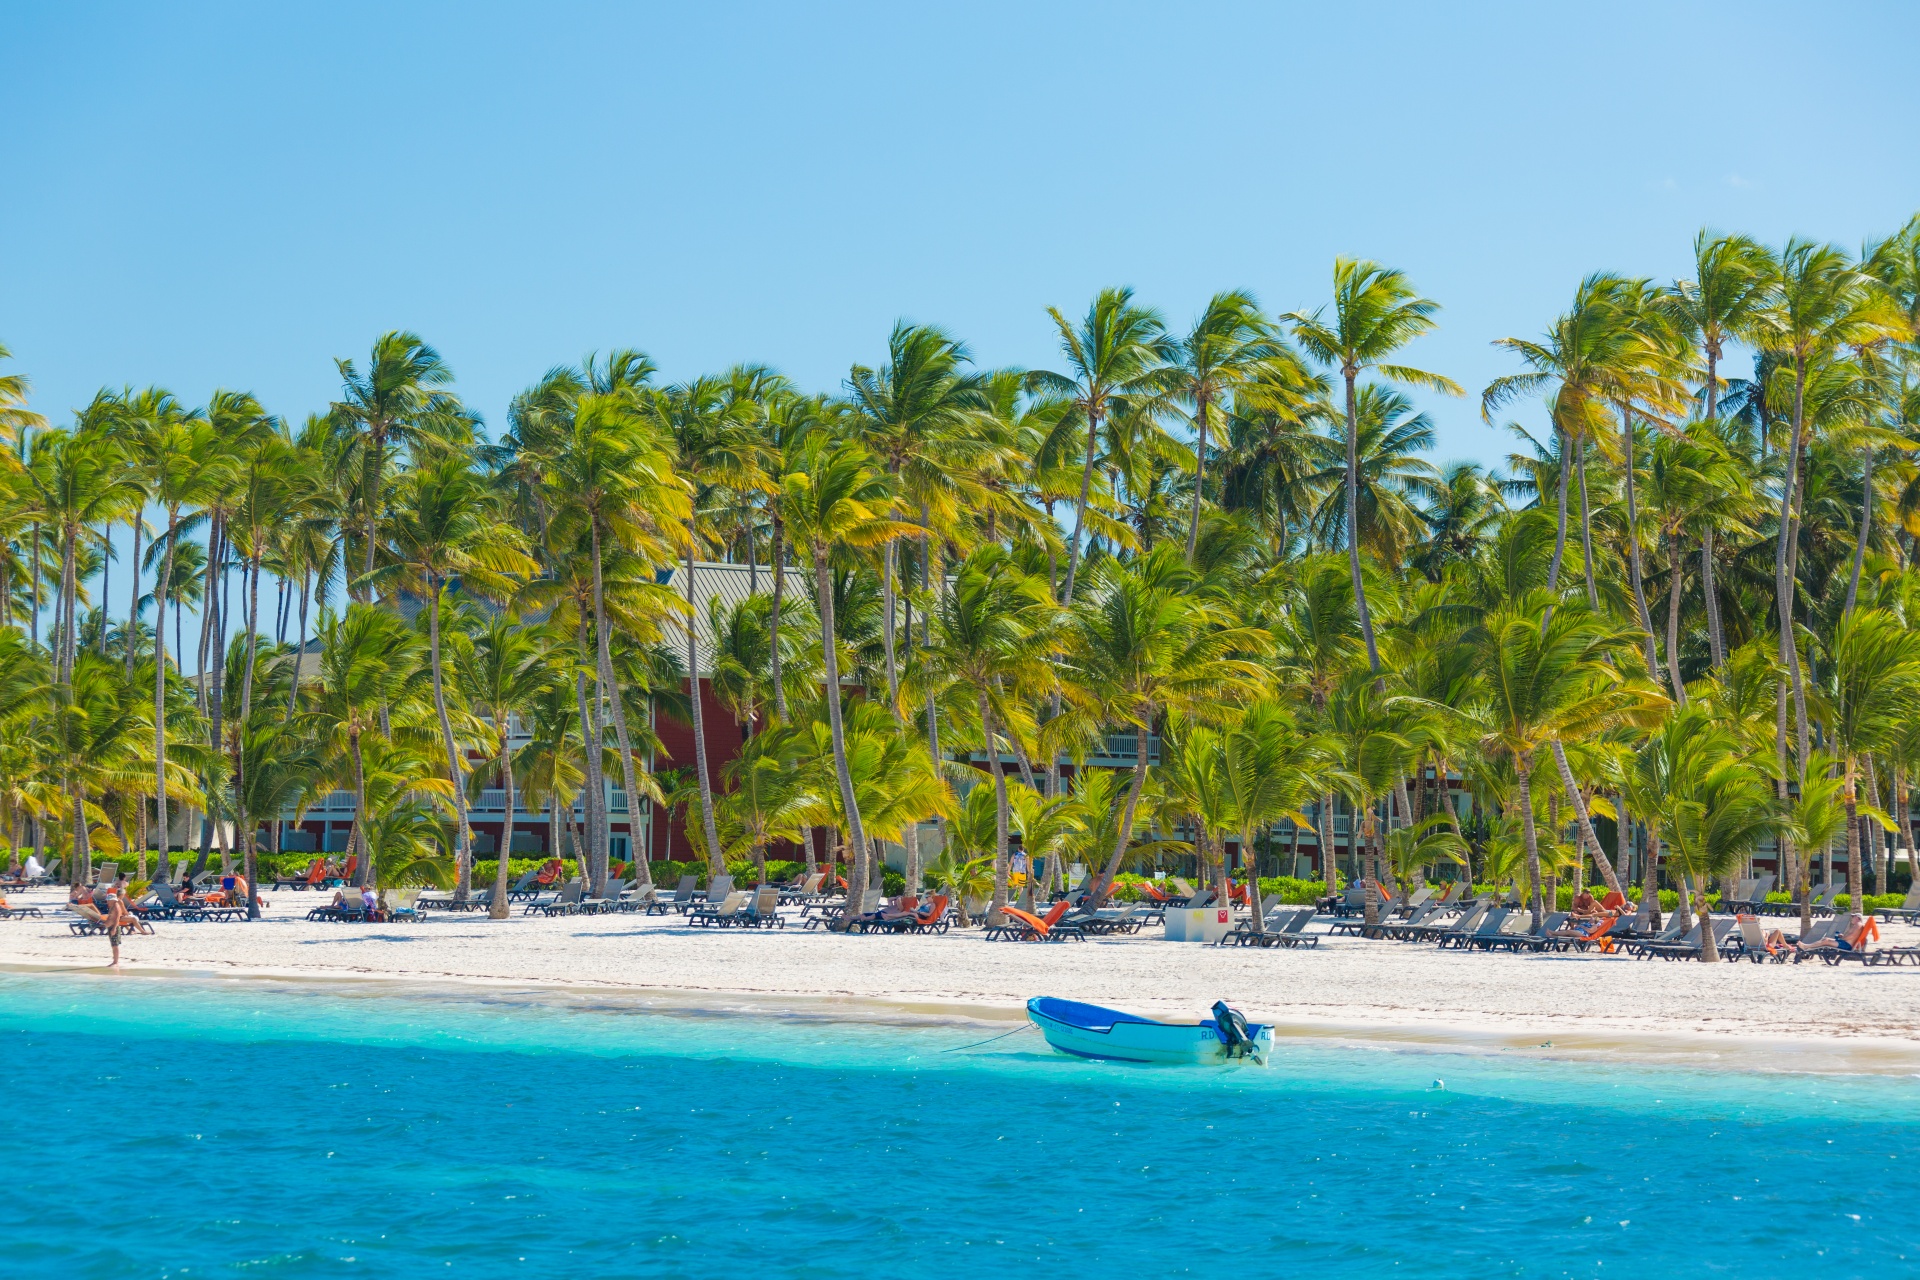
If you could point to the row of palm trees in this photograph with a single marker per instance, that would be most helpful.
(1682, 615)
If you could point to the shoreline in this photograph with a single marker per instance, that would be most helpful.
(1567, 1038)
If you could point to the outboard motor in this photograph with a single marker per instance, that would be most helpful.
(1232, 1026)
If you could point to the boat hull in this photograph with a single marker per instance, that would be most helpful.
(1085, 1031)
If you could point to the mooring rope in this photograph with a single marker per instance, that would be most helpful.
(1028, 1026)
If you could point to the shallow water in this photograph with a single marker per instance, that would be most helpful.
(181, 1127)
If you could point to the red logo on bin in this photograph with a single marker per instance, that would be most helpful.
(1223, 917)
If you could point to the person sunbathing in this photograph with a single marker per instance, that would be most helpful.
(1587, 909)
(1852, 940)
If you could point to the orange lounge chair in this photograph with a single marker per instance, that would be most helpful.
(1152, 890)
(1028, 927)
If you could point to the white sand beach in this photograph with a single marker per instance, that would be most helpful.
(1807, 1016)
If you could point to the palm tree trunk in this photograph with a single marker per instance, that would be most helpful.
(604, 656)
(133, 598)
(1866, 527)
(1633, 544)
(779, 554)
(1782, 574)
(1104, 885)
(1716, 634)
(160, 696)
(910, 833)
(497, 908)
(1588, 839)
(1673, 619)
(1353, 531)
(996, 910)
(849, 802)
(300, 644)
(1522, 768)
(357, 836)
(1323, 833)
(592, 742)
(462, 830)
(1199, 472)
(1856, 882)
(1080, 507)
(1586, 527)
(1560, 525)
(715, 863)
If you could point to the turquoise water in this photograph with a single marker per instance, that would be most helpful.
(183, 1128)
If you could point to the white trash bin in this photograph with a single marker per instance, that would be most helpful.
(1198, 924)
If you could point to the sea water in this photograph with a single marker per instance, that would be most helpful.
(173, 1127)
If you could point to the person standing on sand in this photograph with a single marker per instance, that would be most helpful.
(103, 906)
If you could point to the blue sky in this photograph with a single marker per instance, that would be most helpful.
(212, 195)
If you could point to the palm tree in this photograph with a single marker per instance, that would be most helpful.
(1141, 645)
(1586, 357)
(394, 404)
(1118, 360)
(1868, 691)
(501, 672)
(185, 465)
(989, 638)
(1390, 478)
(1723, 302)
(837, 497)
(1464, 509)
(715, 448)
(1375, 313)
(1549, 676)
(1819, 303)
(369, 660)
(1230, 354)
(446, 528)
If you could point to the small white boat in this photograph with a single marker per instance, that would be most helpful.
(1089, 1031)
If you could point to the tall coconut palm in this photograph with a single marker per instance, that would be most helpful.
(1231, 353)
(1118, 366)
(838, 497)
(1549, 676)
(1820, 302)
(500, 674)
(1584, 359)
(1141, 645)
(369, 661)
(1867, 692)
(447, 527)
(1376, 312)
(989, 639)
(397, 401)
(1722, 303)
(715, 449)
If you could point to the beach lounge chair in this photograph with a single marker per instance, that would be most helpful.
(931, 916)
(680, 901)
(1754, 946)
(1908, 910)
(1517, 935)
(901, 907)
(1023, 926)
(1853, 945)
(1286, 928)
(1491, 922)
(10, 912)
(1579, 936)
(1753, 899)
(1183, 893)
(1421, 916)
(720, 913)
(564, 903)
(1688, 948)
(316, 872)
(401, 904)
(825, 915)
(716, 891)
(1670, 934)
(762, 911)
(804, 889)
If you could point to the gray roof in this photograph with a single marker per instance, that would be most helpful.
(730, 584)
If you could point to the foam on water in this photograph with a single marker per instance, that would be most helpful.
(199, 1127)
